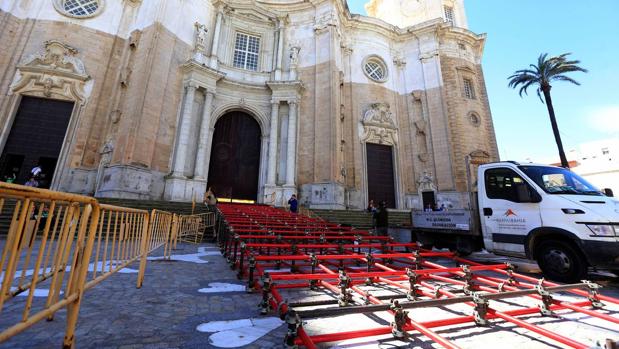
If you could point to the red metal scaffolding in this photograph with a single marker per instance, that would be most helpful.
(279, 251)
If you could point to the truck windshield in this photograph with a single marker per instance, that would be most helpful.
(556, 180)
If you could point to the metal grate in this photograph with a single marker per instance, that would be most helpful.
(469, 91)
(81, 7)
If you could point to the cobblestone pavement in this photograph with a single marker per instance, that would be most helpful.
(163, 314)
(167, 310)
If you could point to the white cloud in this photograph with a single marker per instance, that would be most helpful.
(604, 119)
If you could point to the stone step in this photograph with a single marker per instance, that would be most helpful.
(361, 219)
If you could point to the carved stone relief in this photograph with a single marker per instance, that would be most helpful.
(378, 125)
(55, 72)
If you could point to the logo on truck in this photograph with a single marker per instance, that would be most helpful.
(510, 213)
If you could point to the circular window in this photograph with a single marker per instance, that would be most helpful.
(375, 68)
(79, 8)
(474, 119)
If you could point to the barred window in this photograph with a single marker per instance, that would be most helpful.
(78, 8)
(375, 68)
(469, 91)
(246, 50)
(449, 14)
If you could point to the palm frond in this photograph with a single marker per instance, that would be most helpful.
(566, 78)
(546, 70)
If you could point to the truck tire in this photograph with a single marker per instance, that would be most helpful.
(560, 261)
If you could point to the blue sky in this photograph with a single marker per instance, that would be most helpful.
(518, 31)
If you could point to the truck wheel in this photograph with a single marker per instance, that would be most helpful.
(561, 262)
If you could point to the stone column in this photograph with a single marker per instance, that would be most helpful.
(180, 157)
(203, 140)
(273, 143)
(280, 50)
(292, 142)
(213, 63)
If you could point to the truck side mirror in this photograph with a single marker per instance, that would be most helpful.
(608, 192)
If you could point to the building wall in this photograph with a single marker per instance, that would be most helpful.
(142, 58)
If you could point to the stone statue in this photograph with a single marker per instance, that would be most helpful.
(294, 55)
(200, 44)
(106, 159)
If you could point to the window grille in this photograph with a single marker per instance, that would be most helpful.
(246, 51)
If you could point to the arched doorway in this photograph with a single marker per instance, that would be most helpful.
(235, 157)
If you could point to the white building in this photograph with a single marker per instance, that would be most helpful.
(598, 162)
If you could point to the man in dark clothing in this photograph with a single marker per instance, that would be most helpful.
(294, 204)
(382, 220)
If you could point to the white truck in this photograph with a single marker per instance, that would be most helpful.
(540, 212)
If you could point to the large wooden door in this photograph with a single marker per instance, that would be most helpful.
(235, 157)
(381, 185)
(35, 138)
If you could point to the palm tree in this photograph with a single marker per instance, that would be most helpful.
(546, 71)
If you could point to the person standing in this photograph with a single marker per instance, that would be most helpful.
(372, 210)
(382, 219)
(294, 204)
(210, 200)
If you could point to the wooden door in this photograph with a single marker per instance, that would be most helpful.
(36, 137)
(235, 157)
(381, 181)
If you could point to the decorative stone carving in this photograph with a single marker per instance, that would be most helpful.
(54, 72)
(379, 114)
(325, 21)
(295, 48)
(134, 38)
(115, 116)
(420, 125)
(379, 126)
(426, 182)
(398, 59)
(125, 76)
(200, 38)
(106, 159)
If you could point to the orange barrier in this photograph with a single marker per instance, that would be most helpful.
(69, 243)
(191, 227)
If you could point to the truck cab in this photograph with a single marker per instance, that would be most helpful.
(549, 214)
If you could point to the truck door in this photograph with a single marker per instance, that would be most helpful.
(506, 219)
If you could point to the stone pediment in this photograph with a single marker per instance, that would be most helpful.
(252, 11)
(55, 72)
(57, 59)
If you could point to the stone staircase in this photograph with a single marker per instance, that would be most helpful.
(361, 219)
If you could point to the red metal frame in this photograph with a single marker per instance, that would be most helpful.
(260, 238)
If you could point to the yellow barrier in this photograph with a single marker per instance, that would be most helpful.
(191, 227)
(71, 243)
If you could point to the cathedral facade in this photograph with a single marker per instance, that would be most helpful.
(258, 99)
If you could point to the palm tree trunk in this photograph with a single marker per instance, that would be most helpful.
(555, 127)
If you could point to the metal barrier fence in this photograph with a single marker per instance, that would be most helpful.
(69, 243)
(191, 228)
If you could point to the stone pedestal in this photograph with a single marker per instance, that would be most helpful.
(273, 195)
(327, 195)
(184, 189)
(131, 182)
